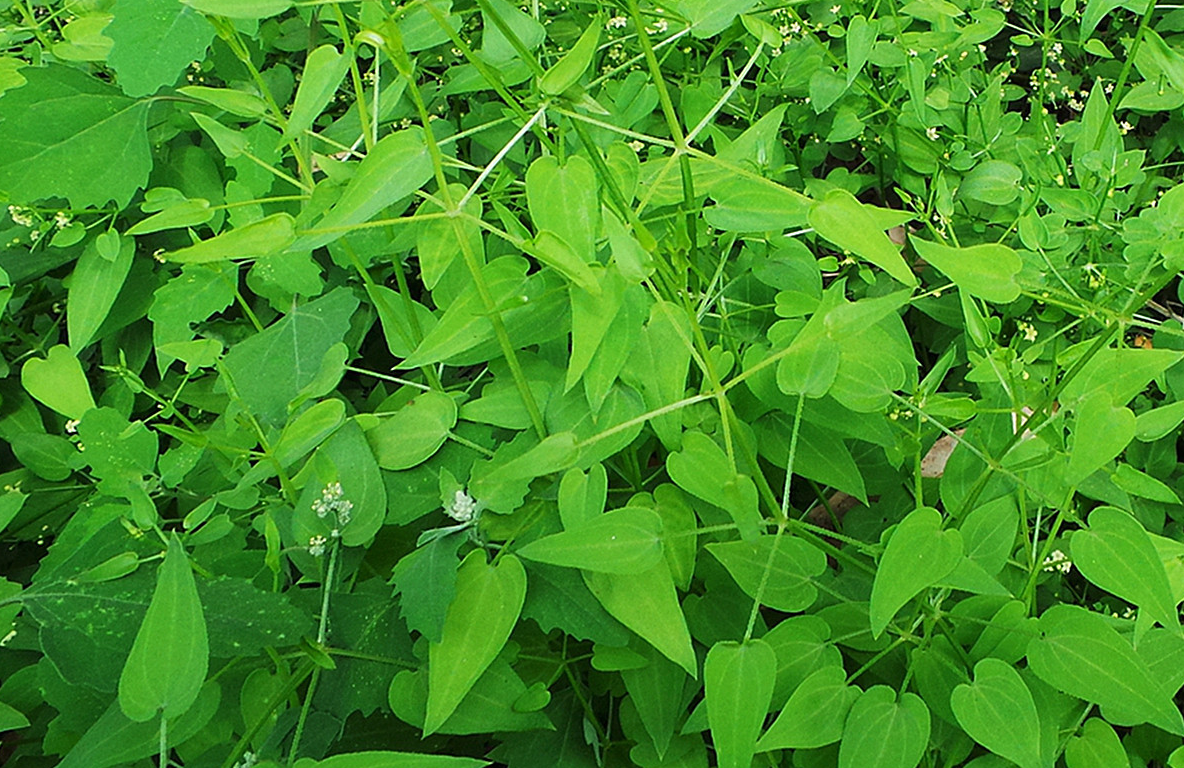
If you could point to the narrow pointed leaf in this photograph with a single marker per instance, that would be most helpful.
(844, 221)
(738, 682)
(987, 271)
(250, 241)
(626, 540)
(323, 71)
(567, 71)
(647, 604)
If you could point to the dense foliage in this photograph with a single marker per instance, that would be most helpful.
(711, 383)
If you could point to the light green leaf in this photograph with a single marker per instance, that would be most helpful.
(647, 604)
(1117, 554)
(186, 213)
(1100, 432)
(709, 19)
(1159, 422)
(155, 41)
(1097, 746)
(58, 382)
(658, 366)
(323, 70)
(250, 241)
(414, 432)
(240, 9)
(847, 223)
(567, 71)
(170, 656)
(1078, 652)
(792, 567)
(918, 555)
(393, 169)
(68, 134)
(626, 540)
(562, 199)
(553, 251)
(392, 313)
(591, 316)
(861, 36)
(94, 286)
(702, 469)
(494, 46)
(995, 182)
(11, 719)
(231, 100)
(998, 711)
(438, 241)
(1119, 373)
(738, 685)
(883, 733)
(745, 204)
(987, 271)
(814, 715)
(488, 601)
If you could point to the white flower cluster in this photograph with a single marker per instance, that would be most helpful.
(333, 502)
(463, 509)
(316, 545)
(1057, 561)
(21, 216)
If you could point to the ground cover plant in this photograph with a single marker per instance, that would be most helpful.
(589, 384)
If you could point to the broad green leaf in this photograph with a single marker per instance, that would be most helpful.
(168, 662)
(918, 555)
(11, 718)
(702, 469)
(626, 540)
(240, 9)
(998, 711)
(1079, 653)
(231, 100)
(555, 453)
(558, 598)
(94, 286)
(1097, 746)
(882, 732)
(155, 41)
(271, 368)
(58, 382)
(658, 365)
(678, 526)
(479, 621)
(414, 432)
(656, 690)
(987, 271)
(562, 199)
(186, 213)
(71, 135)
(1100, 432)
(396, 166)
(1119, 373)
(861, 36)
(792, 567)
(426, 578)
(995, 182)
(738, 685)
(1139, 483)
(1116, 553)
(708, 19)
(745, 204)
(438, 241)
(847, 223)
(810, 364)
(83, 39)
(814, 715)
(554, 252)
(647, 604)
(582, 495)
(495, 47)
(1159, 422)
(190, 297)
(323, 70)
(989, 533)
(566, 72)
(250, 241)
(1096, 10)
(592, 313)
(489, 705)
(10, 505)
(351, 460)
(393, 313)
(308, 430)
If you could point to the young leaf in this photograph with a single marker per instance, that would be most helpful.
(745, 204)
(250, 241)
(998, 711)
(1159, 422)
(883, 733)
(58, 382)
(323, 71)
(94, 286)
(792, 565)
(814, 715)
(567, 71)
(626, 540)
(844, 221)
(987, 271)
(155, 41)
(1098, 746)
(414, 432)
(1100, 432)
(488, 601)
(658, 365)
(738, 685)
(861, 36)
(562, 199)
(554, 252)
(1116, 553)
(918, 555)
(647, 604)
(170, 656)
(1079, 653)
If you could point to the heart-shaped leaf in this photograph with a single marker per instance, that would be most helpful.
(738, 685)
(58, 382)
(998, 711)
(919, 554)
(626, 540)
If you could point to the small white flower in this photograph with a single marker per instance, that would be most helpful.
(931, 132)
(61, 219)
(616, 22)
(1057, 561)
(636, 145)
(463, 507)
(835, 9)
(316, 545)
(659, 28)
(72, 426)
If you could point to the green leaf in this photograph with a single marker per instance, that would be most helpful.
(392, 170)
(708, 19)
(356, 469)
(814, 715)
(1097, 746)
(155, 41)
(272, 367)
(998, 711)
(626, 540)
(1079, 653)
(987, 271)
(323, 70)
(186, 213)
(1100, 432)
(58, 382)
(395, 760)
(658, 365)
(562, 199)
(883, 733)
(414, 432)
(647, 604)
(94, 286)
(426, 579)
(1159, 422)
(230, 100)
(240, 9)
(494, 46)
(592, 313)
(486, 608)
(918, 555)
(554, 252)
(11, 719)
(168, 662)
(861, 36)
(396, 326)
(745, 204)
(847, 223)
(738, 685)
(656, 689)
(1119, 373)
(1116, 553)
(995, 182)
(438, 242)
(558, 598)
(566, 72)
(792, 565)
(71, 135)
(250, 241)
(702, 469)
(489, 705)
